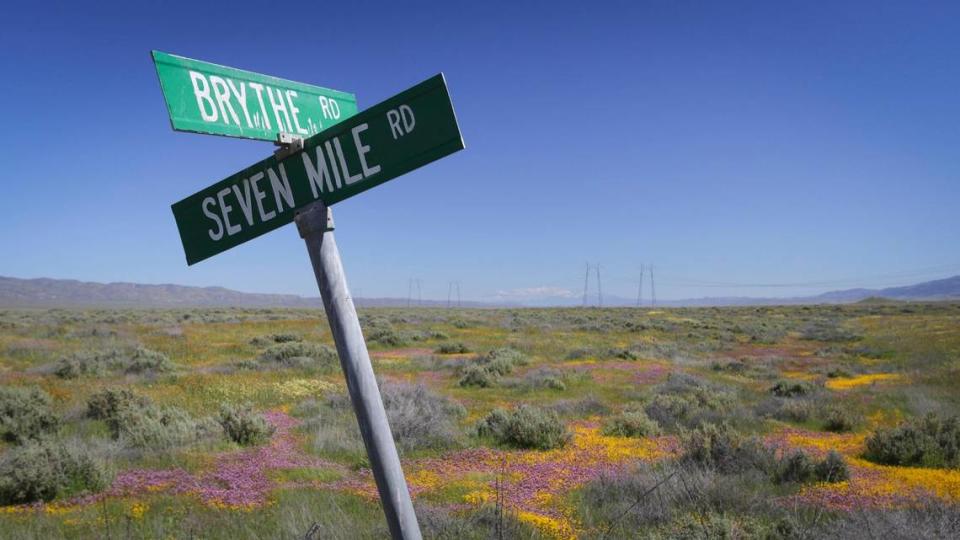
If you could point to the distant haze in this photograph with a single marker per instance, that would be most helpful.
(45, 292)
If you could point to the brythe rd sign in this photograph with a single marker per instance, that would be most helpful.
(208, 98)
(396, 136)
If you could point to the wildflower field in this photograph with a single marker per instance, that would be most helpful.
(748, 422)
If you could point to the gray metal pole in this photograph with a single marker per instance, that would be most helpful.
(315, 224)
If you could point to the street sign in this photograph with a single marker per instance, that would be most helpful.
(394, 137)
(208, 98)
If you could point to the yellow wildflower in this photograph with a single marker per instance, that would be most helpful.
(862, 380)
(137, 510)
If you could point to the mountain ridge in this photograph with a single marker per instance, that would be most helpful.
(50, 292)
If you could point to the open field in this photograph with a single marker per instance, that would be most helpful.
(771, 422)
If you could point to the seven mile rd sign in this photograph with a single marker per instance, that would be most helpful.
(394, 137)
(208, 98)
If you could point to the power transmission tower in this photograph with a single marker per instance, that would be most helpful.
(409, 291)
(450, 286)
(640, 288)
(586, 281)
(653, 289)
(599, 288)
(419, 293)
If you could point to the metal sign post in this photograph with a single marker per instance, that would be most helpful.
(315, 224)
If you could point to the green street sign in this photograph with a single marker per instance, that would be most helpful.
(392, 138)
(208, 98)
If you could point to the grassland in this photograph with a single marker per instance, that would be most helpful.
(670, 423)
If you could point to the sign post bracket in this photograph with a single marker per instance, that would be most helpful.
(315, 225)
(287, 145)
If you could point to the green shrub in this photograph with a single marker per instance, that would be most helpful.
(838, 373)
(832, 468)
(420, 418)
(243, 426)
(839, 420)
(796, 467)
(827, 330)
(669, 409)
(452, 348)
(474, 375)
(580, 408)
(792, 388)
(696, 526)
(687, 401)
(97, 363)
(87, 363)
(270, 339)
(622, 354)
(545, 378)
(300, 355)
(795, 411)
(157, 428)
(578, 353)
(137, 422)
(147, 361)
(503, 360)
(723, 448)
(43, 470)
(107, 404)
(630, 424)
(386, 336)
(929, 441)
(498, 366)
(525, 427)
(25, 414)
(737, 367)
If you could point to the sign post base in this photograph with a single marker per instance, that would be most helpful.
(315, 224)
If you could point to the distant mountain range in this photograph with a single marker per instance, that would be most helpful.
(45, 292)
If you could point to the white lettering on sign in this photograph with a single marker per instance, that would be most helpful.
(362, 151)
(279, 105)
(258, 88)
(401, 120)
(201, 89)
(329, 107)
(260, 195)
(294, 111)
(225, 211)
(224, 100)
(281, 187)
(222, 95)
(213, 217)
(241, 95)
(333, 161)
(249, 195)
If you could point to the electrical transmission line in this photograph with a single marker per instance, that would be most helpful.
(640, 288)
(653, 289)
(599, 289)
(586, 282)
(410, 284)
(450, 288)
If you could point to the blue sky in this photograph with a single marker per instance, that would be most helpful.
(808, 145)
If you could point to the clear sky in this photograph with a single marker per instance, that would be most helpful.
(731, 144)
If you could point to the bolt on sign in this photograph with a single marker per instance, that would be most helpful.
(208, 98)
(392, 138)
